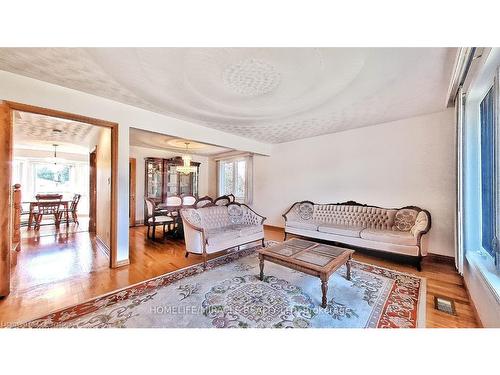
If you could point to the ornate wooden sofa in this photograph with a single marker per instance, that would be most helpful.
(212, 228)
(399, 230)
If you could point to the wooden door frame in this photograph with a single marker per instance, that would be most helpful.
(132, 197)
(6, 137)
(93, 191)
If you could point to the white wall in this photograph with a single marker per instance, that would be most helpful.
(406, 162)
(140, 153)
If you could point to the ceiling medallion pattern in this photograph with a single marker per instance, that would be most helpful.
(272, 95)
(251, 77)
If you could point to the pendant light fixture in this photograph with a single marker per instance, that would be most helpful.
(55, 162)
(186, 168)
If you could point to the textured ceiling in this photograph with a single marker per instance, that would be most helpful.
(269, 94)
(41, 132)
(144, 138)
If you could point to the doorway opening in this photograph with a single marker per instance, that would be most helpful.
(63, 167)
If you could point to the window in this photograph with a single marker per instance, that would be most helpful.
(235, 178)
(49, 179)
(37, 176)
(488, 174)
(53, 180)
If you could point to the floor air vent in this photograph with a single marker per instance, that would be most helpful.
(445, 305)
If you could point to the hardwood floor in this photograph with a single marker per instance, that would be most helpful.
(58, 270)
(48, 228)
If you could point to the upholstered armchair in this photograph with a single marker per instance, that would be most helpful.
(216, 228)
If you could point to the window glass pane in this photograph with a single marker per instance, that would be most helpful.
(239, 189)
(487, 172)
(53, 179)
(227, 178)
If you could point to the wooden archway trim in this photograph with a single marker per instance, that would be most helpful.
(6, 140)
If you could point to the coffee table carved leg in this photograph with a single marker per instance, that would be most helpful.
(261, 264)
(324, 290)
(348, 266)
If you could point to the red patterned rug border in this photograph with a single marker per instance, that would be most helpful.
(417, 294)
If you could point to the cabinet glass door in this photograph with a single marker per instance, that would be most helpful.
(195, 183)
(172, 180)
(185, 183)
(154, 179)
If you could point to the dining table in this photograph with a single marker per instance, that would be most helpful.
(33, 204)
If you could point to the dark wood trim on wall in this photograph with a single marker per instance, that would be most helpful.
(92, 190)
(438, 258)
(132, 191)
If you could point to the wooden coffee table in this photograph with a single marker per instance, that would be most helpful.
(309, 257)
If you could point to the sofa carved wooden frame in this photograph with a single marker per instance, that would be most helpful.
(416, 260)
(204, 238)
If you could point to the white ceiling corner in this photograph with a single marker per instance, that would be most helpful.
(271, 95)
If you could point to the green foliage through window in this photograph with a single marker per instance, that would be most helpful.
(61, 176)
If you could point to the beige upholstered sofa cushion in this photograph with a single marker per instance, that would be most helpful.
(309, 225)
(223, 234)
(389, 236)
(219, 235)
(214, 217)
(343, 230)
(248, 230)
(358, 216)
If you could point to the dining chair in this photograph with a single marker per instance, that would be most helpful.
(153, 220)
(47, 208)
(173, 201)
(172, 205)
(188, 201)
(72, 209)
(204, 201)
(222, 201)
(48, 197)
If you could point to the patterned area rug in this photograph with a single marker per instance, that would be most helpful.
(229, 294)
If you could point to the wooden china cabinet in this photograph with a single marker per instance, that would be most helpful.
(163, 180)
